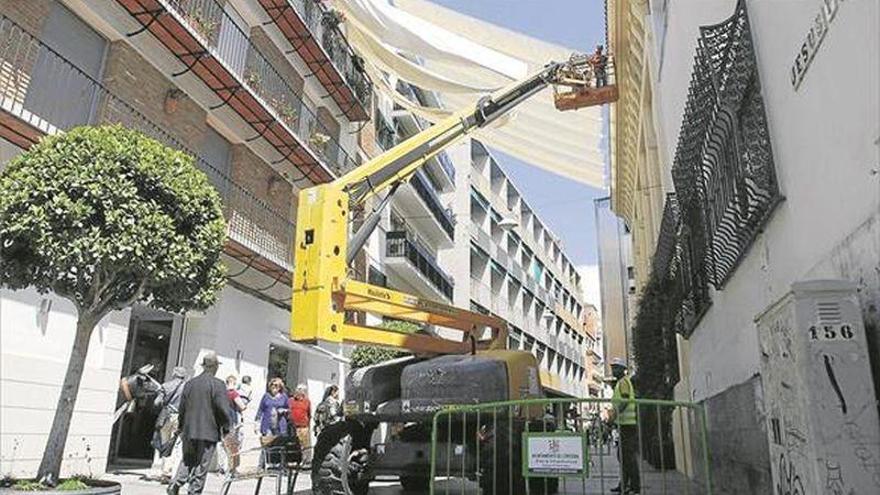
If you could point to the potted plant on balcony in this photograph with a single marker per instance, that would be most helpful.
(253, 79)
(106, 217)
(202, 24)
(319, 141)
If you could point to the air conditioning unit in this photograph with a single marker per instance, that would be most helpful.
(819, 401)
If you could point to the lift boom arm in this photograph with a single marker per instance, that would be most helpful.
(322, 291)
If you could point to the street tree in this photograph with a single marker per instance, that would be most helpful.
(365, 355)
(106, 217)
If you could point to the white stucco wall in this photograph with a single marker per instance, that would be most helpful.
(240, 324)
(824, 139)
(34, 350)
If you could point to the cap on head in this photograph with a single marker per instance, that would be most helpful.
(301, 388)
(210, 360)
(618, 362)
(178, 372)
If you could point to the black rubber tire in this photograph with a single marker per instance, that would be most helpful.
(330, 466)
(414, 484)
(509, 460)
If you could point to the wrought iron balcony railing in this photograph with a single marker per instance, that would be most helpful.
(41, 93)
(425, 191)
(212, 45)
(399, 245)
(723, 169)
(313, 31)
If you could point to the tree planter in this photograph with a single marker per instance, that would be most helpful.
(96, 487)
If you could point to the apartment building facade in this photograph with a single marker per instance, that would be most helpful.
(268, 97)
(518, 270)
(442, 228)
(730, 139)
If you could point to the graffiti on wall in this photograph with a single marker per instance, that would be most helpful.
(822, 415)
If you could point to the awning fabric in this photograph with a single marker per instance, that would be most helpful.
(463, 59)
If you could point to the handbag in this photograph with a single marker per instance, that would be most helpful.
(266, 440)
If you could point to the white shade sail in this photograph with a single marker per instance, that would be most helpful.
(463, 59)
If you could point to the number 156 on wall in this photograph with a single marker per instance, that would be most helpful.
(842, 331)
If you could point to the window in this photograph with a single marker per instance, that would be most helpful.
(232, 44)
(376, 277)
(724, 173)
(216, 150)
(283, 363)
(50, 84)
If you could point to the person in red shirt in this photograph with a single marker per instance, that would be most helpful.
(301, 417)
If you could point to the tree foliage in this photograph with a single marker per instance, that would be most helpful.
(365, 355)
(105, 216)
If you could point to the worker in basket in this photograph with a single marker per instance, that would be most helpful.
(599, 62)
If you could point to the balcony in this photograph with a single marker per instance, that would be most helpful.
(425, 191)
(211, 45)
(314, 33)
(481, 237)
(42, 93)
(421, 269)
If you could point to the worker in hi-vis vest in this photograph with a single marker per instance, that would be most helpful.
(624, 414)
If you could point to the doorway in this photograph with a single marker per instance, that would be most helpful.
(150, 337)
(284, 364)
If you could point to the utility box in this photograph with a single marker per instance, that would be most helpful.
(821, 411)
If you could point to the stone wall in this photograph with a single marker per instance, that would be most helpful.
(737, 438)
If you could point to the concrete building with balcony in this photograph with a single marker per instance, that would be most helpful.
(518, 270)
(268, 97)
(594, 362)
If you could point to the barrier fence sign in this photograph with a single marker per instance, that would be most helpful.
(555, 454)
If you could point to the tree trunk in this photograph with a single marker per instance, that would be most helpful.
(50, 466)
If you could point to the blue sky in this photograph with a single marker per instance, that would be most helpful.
(564, 205)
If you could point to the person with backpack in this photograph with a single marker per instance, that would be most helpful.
(329, 411)
(229, 455)
(166, 440)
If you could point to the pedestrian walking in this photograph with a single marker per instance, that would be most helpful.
(204, 418)
(272, 411)
(229, 455)
(166, 439)
(329, 411)
(625, 415)
(245, 391)
(301, 417)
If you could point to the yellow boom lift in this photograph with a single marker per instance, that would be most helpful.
(473, 368)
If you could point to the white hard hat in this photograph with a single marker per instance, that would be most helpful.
(618, 362)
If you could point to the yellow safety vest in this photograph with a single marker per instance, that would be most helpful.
(624, 387)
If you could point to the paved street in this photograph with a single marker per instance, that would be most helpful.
(604, 474)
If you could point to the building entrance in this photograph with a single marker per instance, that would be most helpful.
(150, 337)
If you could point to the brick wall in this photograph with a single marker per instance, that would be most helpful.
(269, 50)
(260, 179)
(142, 86)
(29, 14)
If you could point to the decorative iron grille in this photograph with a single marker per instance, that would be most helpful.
(723, 172)
(680, 271)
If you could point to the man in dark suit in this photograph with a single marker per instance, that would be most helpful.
(203, 417)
